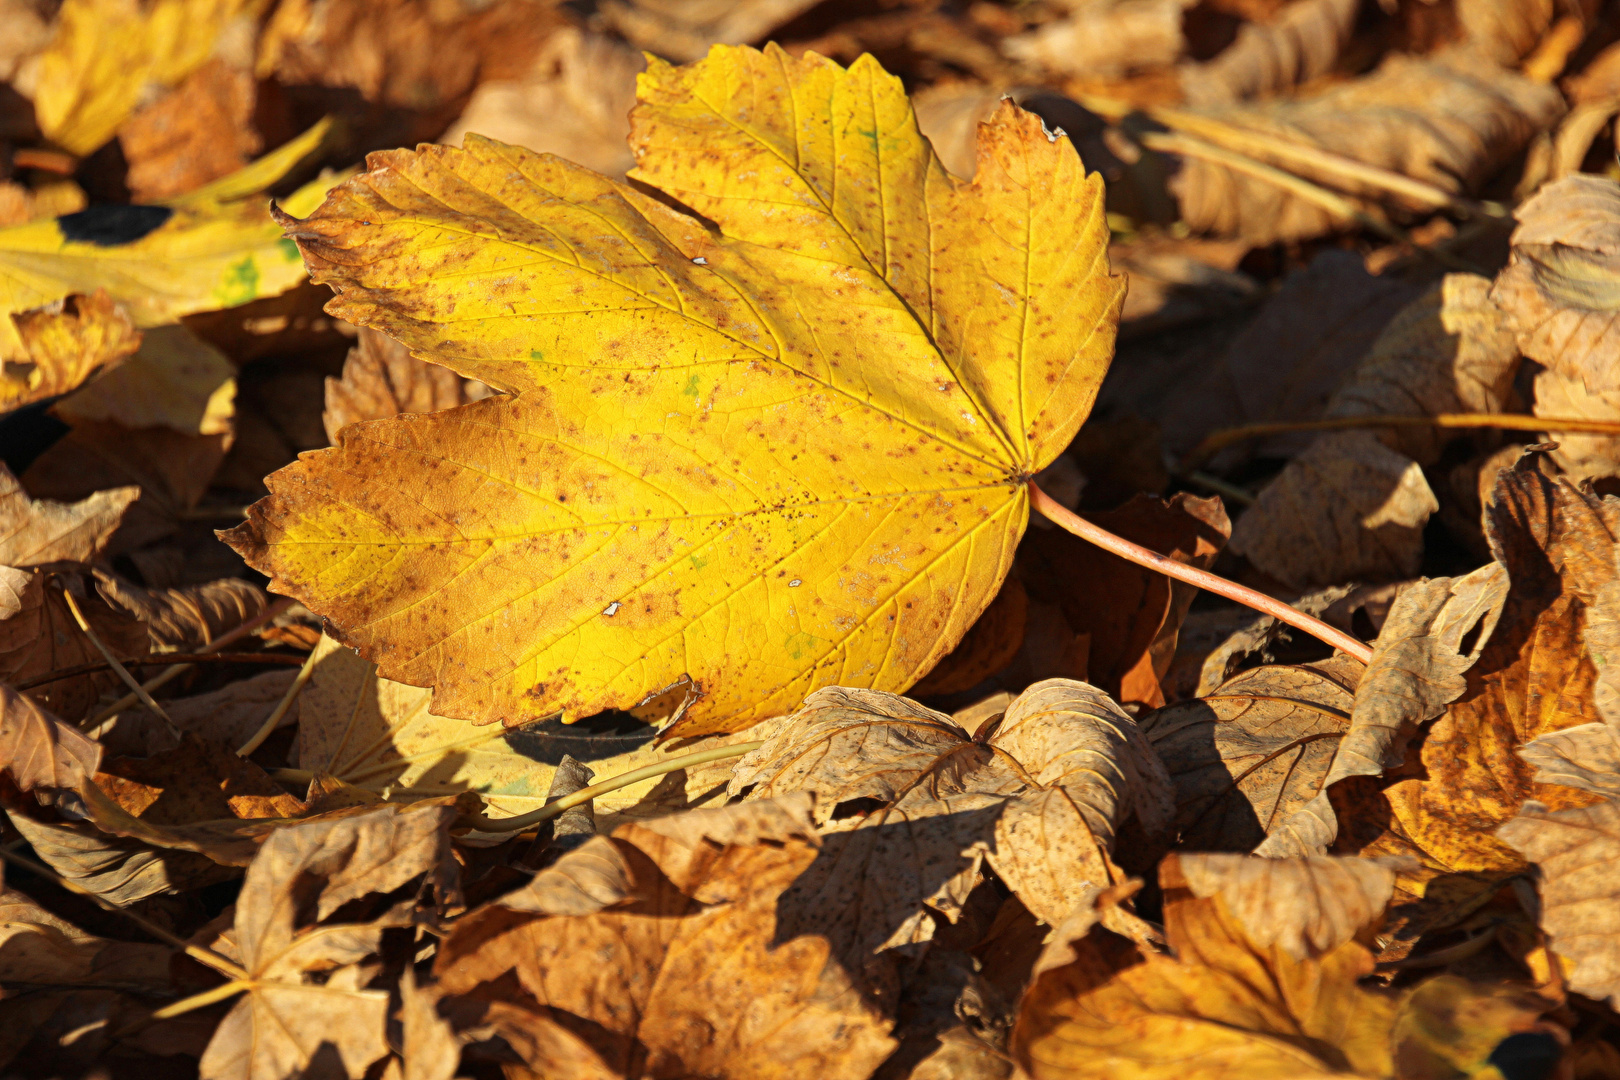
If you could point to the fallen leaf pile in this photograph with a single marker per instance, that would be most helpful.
(530, 543)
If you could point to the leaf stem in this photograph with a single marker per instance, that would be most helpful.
(202, 1000)
(1573, 425)
(614, 783)
(1067, 519)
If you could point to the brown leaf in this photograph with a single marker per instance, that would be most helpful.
(1451, 119)
(1576, 851)
(684, 29)
(40, 948)
(1131, 614)
(194, 782)
(180, 620)
(1582, 457)
(1042, 799)
(1301, 43)
(116, 868)
(1347, 508)
(660, 986)
(430, 1049)
(381, 378)
(175, 380)
(1254, 751)
(584, 881)
(286, 1019)
(1106, 40)
(197, 132)
(1508, 30)
(1435, 632)
(38, 635)
(64, 344)
(38, 531)
(227, 716)
(573, 100)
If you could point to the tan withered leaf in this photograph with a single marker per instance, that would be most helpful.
(1107, 40)
(38, 531)
(1300, 44)
(1434, 633)
(1561, 287)
(381, 378)
(286, 1017)
(684, 29)
(38, 947)
(1228, 1005)
(429, 1049)
(184, 618)
(1576, 852)
(1253, 752)
(1042, 798)
(116, 868)
(196, 133)
(591, 877)
(38, 635)
(64, 344)
(175, 380)
(696, 975)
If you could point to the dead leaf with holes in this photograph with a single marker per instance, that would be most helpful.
(711, 931)
(733, 497)
(1042, 797)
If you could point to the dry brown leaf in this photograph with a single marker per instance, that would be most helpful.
(175, 380)
(1131, 615)
(196, 133)
(1348, 508)
(286, 1018)
(40, 753)
(38, 947)
(701, 974)
(194, 782)
(38, 636)
(584, 881)
(684, 29)
(1451, 119)
(1106, 40)
(1509, 30)
(1576, 851)
(1042, 799)
(1581, 457)
(20, 205)
(34, 532)
(429, 1048)
(184, 619)
(573, 100)
(64, 344)
(381, 378)
(1227, 1005)
(116, 868)
(1301, 43)
(1250, 754)
(413, 54)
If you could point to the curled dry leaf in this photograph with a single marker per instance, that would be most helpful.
(1451, 119)
(1436, 631)
(56, 347)
(175, 380)
(1253, 752)
(1576, 851)
(38, 636)
(658, 984)
(1509, 30)
(1302, 42)
(34, 532)
(573, 100)
(117, 869)
(1228, 1005)
(198, 132)
(286, 1018)
(429, 1048)
(184, 619)
(685, 29)
(1042, 798)
(381, 379)
(1106, 40)
(768, 553)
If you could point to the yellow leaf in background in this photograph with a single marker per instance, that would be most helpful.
(175, 379)
(781, 455)
(105, 53)
(63, 344)
(160, 262)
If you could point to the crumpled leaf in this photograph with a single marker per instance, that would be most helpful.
(1106, 40)
(1227, 1005)
(1451, 118)
(1302, 42)
(174, 380)
(685, 29)
(216, 247)
(1435, 633)
(817, 515)
(38, 636)
(196, 133)
(429, 1048)
(34, 532)
(382, 379)
(573, 100)
(184, 619)
(105, 53)
(1042, 798)
(1249, 755)
(59, 345)
(285, 1018)
(658, 986)
(1575, 851)
(115, 868)
(1509, 30)
(38, 947)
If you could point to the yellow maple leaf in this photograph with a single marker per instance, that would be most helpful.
(216, 247)
(778, 446)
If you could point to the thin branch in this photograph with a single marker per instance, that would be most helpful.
(1067, 519)
(623, 780)
(1571, 425)
(112, 661)
(274, 659)
(273, 721)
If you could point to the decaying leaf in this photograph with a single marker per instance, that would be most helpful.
(1229, 1004)
(1041, 798)
(1576, 851)
(1249, 755)
(180, 620)
(198, 132)
(34, 532)
(753, 508)
(1106, 40)
(40, 948)
(61, 344)
(1301, 43)
(685, 29)
(661, 985)
(584, 881)
(174, 380)
(38, 636)
(382, 379)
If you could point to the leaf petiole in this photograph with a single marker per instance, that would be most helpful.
(1068, 520)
